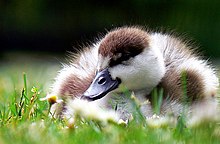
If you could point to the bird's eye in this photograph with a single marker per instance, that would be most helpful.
(125, 57)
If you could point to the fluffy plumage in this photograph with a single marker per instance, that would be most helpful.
(142, 60)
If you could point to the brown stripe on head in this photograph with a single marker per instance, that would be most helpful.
(124, 43)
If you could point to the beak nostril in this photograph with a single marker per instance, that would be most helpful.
(101, 81)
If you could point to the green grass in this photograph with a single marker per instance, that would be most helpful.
(23, 117)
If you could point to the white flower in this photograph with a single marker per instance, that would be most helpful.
(91, 111)
(51, 98)
(122, 122)
(156, 121)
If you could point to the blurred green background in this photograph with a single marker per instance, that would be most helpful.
(55, 26)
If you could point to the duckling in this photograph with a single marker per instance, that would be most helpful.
(140, 60)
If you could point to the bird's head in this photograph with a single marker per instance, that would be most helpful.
(126, 56)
